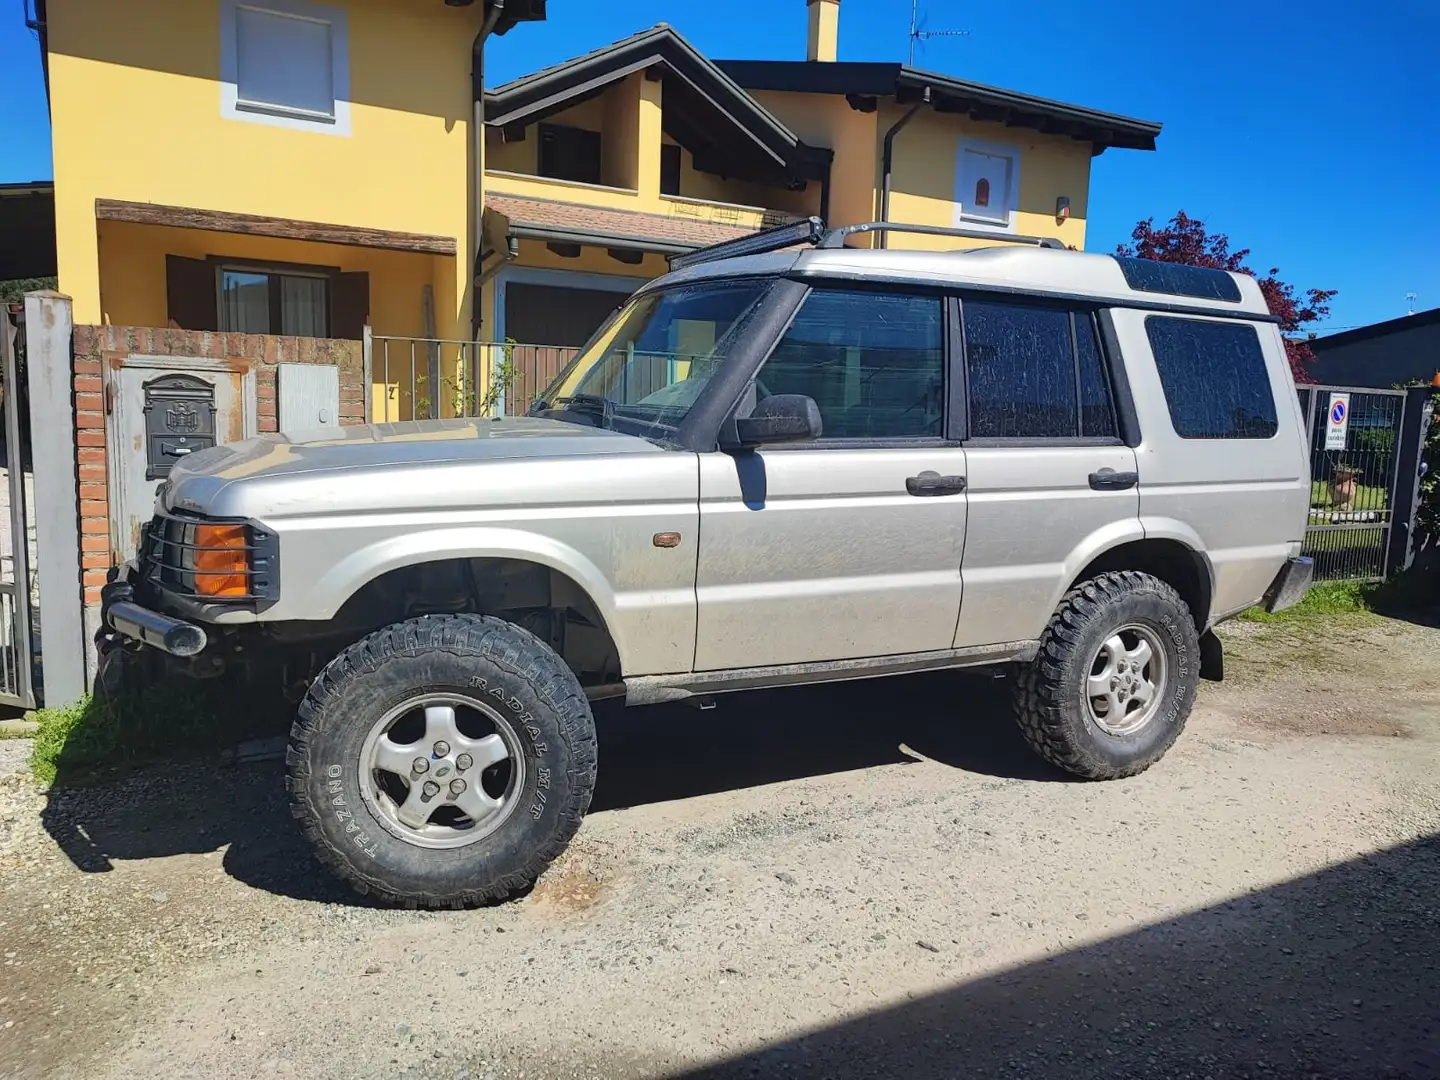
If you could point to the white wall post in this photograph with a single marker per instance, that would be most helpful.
(50, 362)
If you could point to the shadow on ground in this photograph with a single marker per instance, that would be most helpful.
(1331, 976)
(647, 755)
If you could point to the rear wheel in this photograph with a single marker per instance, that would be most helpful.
(1115, 677)
(443, 761)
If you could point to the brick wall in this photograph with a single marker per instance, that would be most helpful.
(96, 346)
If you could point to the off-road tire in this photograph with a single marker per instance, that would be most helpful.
(1050, 699)
(477, 655)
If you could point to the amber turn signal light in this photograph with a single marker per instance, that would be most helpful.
(222, 561)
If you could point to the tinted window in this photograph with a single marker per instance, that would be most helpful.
(1177, 279)
(873, 362)
(1021, 366)
(568, 153)
(1214, 376)
(670, 169)
(1097, 413)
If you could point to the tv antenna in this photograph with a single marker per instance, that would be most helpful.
(1410, 298)
(919, 33)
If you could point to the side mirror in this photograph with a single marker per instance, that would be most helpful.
(780, 418)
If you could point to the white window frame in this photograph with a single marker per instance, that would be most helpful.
(963, 219)
(231, 105)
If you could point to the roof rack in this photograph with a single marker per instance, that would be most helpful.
(809, 231)
(812, 230)
(836, 237)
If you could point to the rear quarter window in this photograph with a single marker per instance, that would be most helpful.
(1214, 376)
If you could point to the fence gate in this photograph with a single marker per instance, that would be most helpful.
(1355, 449)
(18, 598)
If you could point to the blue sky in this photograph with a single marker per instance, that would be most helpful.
(1312, 139)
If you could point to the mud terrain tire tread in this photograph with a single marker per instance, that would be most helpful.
(1049, 708)
(401, 653)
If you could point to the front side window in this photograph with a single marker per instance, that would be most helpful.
(873, 362)
(285, 62)
(646, 368)
(263, 302)
(1216, 384)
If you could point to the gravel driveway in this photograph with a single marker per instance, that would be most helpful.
(874, 880)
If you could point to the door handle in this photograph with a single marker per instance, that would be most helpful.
(932, 483)
(1110, 480)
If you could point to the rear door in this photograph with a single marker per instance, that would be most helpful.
(1051, 483)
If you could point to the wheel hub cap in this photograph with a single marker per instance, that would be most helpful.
(442, 770)
(1126, 685)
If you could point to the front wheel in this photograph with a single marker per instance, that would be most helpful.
(1115, 678)
(443, 761)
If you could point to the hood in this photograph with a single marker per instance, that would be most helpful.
(383, 461)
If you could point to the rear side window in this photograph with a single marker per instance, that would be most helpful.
(1034, 373)
(1214, 376)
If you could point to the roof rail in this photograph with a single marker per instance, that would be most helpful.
(836, 237)
(811, 230)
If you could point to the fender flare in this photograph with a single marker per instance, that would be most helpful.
(358, 569)
(1128, 531)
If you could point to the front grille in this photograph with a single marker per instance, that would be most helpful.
(167, 558)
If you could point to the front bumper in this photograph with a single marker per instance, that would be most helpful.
(138, 624)
(1291, 584)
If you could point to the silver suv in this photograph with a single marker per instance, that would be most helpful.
(787, 461)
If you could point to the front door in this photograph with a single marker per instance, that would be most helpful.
(849, 546)
(1049, 477)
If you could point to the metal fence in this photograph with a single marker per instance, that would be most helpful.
(431, 378)
(1353, 490)
(19, 596)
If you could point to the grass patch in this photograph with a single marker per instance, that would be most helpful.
(1416, 590)
(1323, 600)
(100, 736)
(1367, 497)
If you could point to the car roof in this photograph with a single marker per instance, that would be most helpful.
(1027, 270)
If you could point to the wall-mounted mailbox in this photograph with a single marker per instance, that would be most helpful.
(179, 420)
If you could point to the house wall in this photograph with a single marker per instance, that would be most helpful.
(97, 346)
(926, 155)
(628, 116)
(136, 114)
(132, 271)
(828, 120)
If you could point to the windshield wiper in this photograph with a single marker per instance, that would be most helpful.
(600, 410)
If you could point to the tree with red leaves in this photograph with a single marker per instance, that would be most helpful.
(1186, 240)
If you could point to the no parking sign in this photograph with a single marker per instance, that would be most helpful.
(1337, 424)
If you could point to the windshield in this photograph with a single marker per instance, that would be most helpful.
(647, 367)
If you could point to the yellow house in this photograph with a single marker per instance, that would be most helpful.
(314, 168)
(598, 168)
(277, 167)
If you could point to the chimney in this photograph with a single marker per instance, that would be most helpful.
(824, 29)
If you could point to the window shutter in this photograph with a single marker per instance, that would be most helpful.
(190, 293)
(350, 305)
